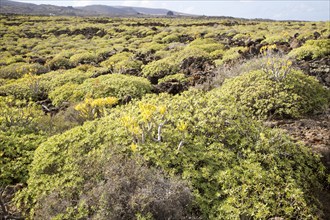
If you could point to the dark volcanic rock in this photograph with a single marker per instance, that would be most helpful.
(320, 68)
(200, 69)
(172, 87)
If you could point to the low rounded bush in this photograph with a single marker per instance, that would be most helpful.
(180, 77)
(17, 70)
(160, 68)
(208, 45)
(264, 97)
(171, 38)
(312, 49)
(19, 137)
(122, 63)
(83, 58)
(62, 93)
(232, 54)
(37, 87)
(235, 166)
(16, 151)
(59, 62)
(116, 85)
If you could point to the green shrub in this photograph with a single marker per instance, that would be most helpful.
(122, 63)
(62, 93)
(104, 53)
(59, 62)
(37, 87)
(235, 166)
(191, 52)
(150, 47)
(12, 59)
(160, 68)
(312, 49)
(180, 77)
(170, 38)
(84, 58)
(55, 79)
(232, 54)
(16, 151)
(116, 85)
(27, 87)
(19, 137)
(17, 70)
(259, 93)
(208, 45)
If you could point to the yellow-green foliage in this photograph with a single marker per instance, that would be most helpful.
(312, 49)
(121, 62)
(232, 54)
(59, 62)
(234, 164)
(180, 77)
(19, 137)
(63, 93)
(31, 86)
(160, 68)
(235, 167)
(171, 38)
(90, 109)
(150, 47)
(117, 85)
(208, 45)
(191, 52)
(83, 58)
(262, 95)
(17, 70)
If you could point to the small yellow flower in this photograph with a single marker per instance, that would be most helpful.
(262, 136)
(182, 126)
(134, 147)
(162, 109)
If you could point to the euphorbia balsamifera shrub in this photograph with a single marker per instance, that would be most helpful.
(160, 68)
(122, 63)
(116, 85)
(84, 58)
(235, 166)
(19, 137)
(17, 70)
(207, 45)
(31, 86)
(312, 49)
(264, 96)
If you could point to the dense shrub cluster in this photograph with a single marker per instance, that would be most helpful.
(19, 136)
(264, 97)
(234, 164)
(312, 49)
(105, 148)
(17, 70)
